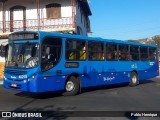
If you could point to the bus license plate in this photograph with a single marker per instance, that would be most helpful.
(14, 85)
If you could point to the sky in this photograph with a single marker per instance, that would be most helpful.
(125, 19)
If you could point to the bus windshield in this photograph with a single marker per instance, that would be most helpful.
(22, 55)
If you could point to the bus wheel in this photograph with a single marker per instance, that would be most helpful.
(134, 79)
(72, 86)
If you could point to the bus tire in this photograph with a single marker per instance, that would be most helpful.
(72, 86)
(133, 79)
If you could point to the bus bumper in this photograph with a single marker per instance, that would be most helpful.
(36, 85)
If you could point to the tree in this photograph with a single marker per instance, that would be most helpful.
(153, 40)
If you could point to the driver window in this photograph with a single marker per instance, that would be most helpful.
(51, 52)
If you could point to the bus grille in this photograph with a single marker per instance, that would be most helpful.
(15, 80)
(16, 72)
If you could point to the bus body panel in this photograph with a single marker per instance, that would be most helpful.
(51, 81)
(91, 73)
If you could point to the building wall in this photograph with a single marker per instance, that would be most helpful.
(31, 14)
(31, 10)
(66, 9)
(80, 19)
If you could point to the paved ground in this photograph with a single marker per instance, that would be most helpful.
(144, 97)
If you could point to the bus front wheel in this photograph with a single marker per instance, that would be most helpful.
(133, 79)
(72, 86)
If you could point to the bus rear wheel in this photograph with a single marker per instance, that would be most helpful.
(133, 79)
(72, 86)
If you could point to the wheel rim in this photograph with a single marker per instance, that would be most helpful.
(134, 79)
(69, 86)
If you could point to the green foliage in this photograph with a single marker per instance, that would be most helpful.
(153, 40)
(156, 40)
(133, 41)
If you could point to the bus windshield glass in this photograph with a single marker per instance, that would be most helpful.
(22, 55)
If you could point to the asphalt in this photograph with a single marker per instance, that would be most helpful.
(143, 97)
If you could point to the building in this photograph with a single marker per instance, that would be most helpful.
(67, 16)
(71, 16)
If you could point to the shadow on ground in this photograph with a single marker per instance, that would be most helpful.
(46, 95)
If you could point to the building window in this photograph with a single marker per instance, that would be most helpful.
(17, 15)
(53, 11)
(95, 50)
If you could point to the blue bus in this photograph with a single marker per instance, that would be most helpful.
(49, 61)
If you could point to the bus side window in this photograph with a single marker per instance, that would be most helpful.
(109, 56)
(123, 52)
(75, 49)
(144, 53)
(72, 56)
(82, 55)
(51, 52)
(152, 54)
(111, 51)
(134, 53)
(96, 50)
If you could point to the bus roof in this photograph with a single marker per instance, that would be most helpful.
(58, 34)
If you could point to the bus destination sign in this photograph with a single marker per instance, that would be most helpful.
(24, 36)
(71, 65)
